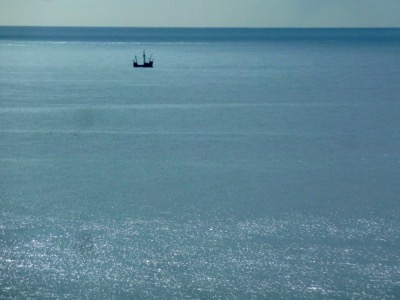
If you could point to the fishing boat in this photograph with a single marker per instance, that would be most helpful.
(148, 64)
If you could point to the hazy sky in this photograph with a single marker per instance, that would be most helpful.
(202, 13)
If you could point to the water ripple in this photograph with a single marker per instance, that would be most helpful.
(190, 258)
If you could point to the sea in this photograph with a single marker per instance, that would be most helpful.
(247, 164)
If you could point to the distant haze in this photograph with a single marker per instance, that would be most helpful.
(201, 13)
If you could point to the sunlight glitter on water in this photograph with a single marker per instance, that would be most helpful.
(189, 258)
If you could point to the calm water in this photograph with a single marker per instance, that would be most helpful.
(248, 164)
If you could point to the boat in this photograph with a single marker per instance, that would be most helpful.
(145, 64)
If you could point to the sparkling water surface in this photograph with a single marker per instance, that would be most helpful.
(234, 169)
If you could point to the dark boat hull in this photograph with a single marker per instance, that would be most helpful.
(145, 65)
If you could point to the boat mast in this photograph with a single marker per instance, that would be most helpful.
(144, 57)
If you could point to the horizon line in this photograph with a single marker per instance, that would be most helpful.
(193, 27)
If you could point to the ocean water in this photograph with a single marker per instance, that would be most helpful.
(247, 164)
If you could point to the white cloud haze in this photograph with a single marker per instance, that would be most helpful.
(202, 13)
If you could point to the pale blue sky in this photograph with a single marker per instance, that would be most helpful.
(202, 13)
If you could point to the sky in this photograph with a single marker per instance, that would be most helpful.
(201, 13)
